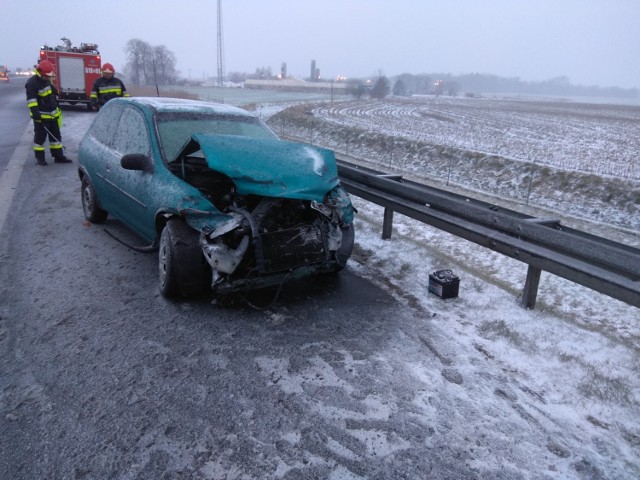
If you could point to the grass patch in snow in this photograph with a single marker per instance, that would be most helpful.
(494, 329)
(598, 386)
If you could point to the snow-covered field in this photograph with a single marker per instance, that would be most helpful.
(566, 157)
(591, 138)
(563, 376)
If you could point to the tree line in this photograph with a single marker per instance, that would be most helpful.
(150, 65)
(156, 65)
(448, 84)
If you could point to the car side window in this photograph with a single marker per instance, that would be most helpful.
(104, 127)
(132, 135)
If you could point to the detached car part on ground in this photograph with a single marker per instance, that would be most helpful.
(225, 202)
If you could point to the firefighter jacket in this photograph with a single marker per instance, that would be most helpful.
(42, 98)
(104, 90)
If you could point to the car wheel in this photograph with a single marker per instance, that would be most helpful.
(343, 254)
(348, 239)
(92, 211)
(183, 269)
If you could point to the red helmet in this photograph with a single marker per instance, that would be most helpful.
(45, 68)
(108, 68)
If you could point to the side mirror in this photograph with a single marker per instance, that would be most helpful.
(137, 161)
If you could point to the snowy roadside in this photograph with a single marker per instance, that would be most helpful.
(578, 352)
(417, 249)
(574, 359)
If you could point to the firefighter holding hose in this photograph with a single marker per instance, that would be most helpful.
(42, 101)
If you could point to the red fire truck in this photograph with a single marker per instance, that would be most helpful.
(76, 69)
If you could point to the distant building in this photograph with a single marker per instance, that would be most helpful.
(295, 85)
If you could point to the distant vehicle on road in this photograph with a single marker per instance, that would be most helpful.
(4, 74)
(227, 204)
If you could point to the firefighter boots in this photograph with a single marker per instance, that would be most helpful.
(62, 159)
(40, 158)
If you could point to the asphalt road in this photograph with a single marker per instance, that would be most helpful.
(14, 117)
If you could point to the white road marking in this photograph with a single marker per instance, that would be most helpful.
(11, 175)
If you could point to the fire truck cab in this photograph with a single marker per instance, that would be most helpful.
(76, 69)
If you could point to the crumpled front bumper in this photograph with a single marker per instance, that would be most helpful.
(244, 254)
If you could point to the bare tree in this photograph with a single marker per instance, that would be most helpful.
(138, 52)
(237, 77)
(453, 88)
(355, 87)
(148, 64)
(381, 89)
(399, 88)
(164, 62)
(263, 73)
(420, 83)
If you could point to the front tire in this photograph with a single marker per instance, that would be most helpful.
(348, 239)
(183, 270)
(344, 252)
(92, 211)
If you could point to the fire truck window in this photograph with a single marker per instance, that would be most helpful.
(132, 135)
(104, 128)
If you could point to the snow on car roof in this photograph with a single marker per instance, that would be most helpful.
(166, 104)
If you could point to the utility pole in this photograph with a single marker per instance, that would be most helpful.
(220, 46)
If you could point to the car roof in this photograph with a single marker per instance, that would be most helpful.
(168, 105)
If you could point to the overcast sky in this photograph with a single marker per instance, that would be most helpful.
(593, 42)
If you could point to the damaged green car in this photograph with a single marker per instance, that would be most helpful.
(227, 205)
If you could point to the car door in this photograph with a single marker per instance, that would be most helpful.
(98, 156)
(133, 189)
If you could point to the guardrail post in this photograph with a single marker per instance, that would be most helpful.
(531, 287)
(387, 223)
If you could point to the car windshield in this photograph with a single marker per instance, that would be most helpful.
(175, 129)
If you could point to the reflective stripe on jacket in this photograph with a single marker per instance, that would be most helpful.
(104, 90)
(42, 98)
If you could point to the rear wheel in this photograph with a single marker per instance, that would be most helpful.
(92, 211)
(183, 269)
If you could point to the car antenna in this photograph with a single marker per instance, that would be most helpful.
(155, 78)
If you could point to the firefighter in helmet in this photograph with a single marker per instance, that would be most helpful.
(106, 87)
(42, 101)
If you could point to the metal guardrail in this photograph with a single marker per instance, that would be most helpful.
(543, 244)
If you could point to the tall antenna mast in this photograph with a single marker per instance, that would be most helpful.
(220, 46)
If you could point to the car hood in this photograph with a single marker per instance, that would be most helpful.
(266, 167)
